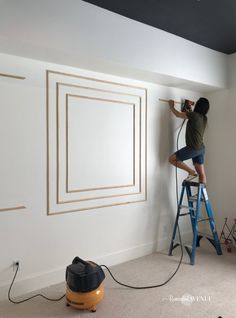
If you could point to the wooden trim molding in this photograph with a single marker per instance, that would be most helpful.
(13, 76)
(12, 208)
(18, 78)
(61, 206)
(67, 142)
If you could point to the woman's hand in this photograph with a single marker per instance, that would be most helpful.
(175, 111)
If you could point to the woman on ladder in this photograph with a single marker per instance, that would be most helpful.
(195, 148)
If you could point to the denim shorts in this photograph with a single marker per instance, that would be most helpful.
(197, 155)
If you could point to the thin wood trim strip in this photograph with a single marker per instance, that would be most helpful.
(166, 100)
(12, 209)
(12, 76)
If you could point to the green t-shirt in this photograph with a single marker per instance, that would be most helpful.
(195, 130)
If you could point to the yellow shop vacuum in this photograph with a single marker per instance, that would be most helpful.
(84, 288)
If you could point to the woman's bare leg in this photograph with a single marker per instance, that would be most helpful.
(181, 165)
(201, 172)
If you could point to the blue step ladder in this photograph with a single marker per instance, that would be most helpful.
(194, 207)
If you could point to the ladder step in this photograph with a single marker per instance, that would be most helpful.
(194, 198)
(187, 207)
(191, 183)
(206, 219)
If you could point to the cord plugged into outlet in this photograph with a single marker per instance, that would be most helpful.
(16, 265)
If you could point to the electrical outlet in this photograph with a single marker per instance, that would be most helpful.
(16, 265)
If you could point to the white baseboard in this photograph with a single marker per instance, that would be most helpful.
(44, 279)
(126, 255)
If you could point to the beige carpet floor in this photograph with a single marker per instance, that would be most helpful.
(205, 290)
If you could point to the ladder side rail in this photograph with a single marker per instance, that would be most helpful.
(191, 205)
(211, 221)
(195, 228)
(209, 211)
(176, 220)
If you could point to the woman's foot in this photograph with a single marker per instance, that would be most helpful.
(193, 173)
(191, 176)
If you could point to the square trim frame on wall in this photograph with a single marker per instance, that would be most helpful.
(10, 207)
(75, 181)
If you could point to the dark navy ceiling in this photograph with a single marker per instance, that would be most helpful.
(211, 23)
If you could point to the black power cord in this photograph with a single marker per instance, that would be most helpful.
(181, 245)
(26, 299)
(122, 284)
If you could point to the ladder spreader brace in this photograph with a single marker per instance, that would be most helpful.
(194, 207)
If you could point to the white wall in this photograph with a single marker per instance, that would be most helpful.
(221, 152)
(76, 33)
(43, 244)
